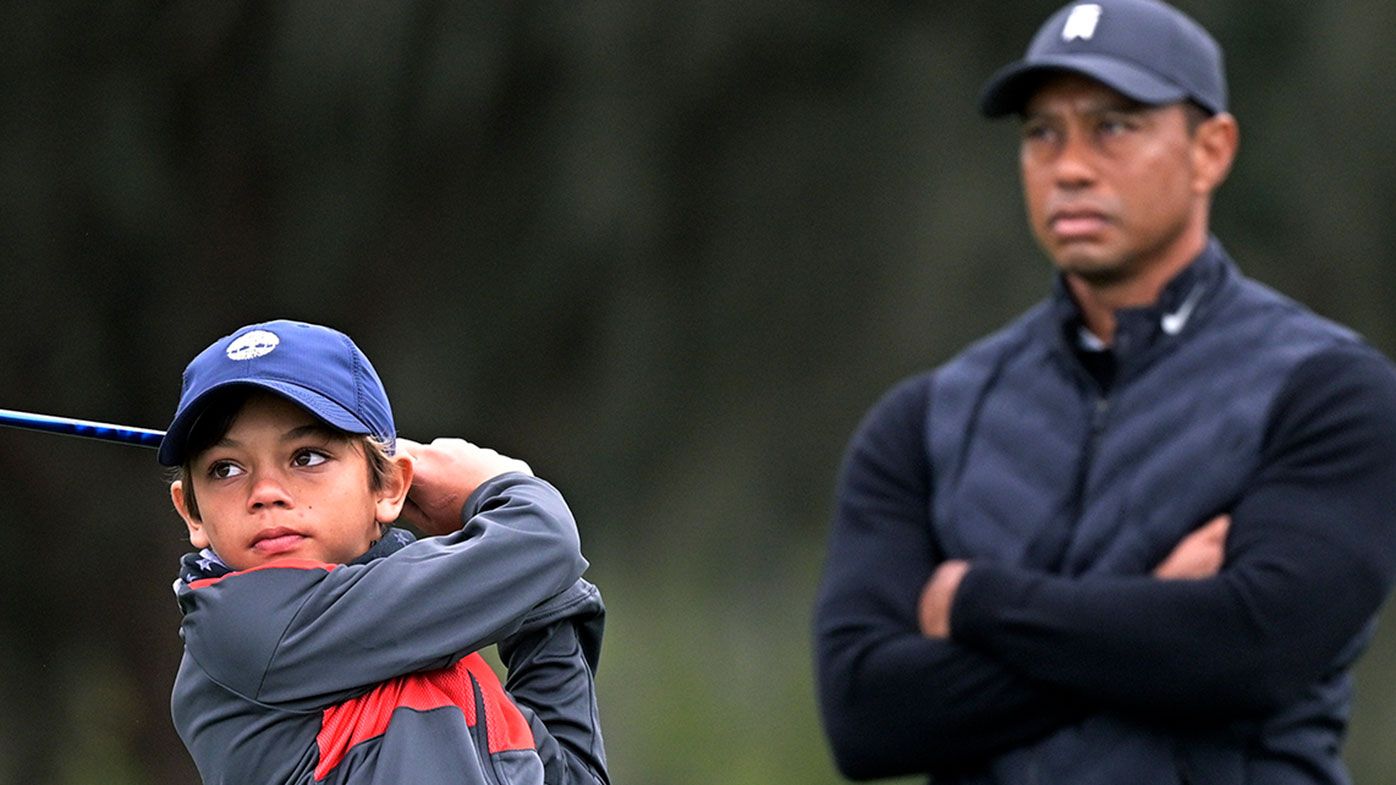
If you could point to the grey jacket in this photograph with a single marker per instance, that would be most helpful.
(300, 672)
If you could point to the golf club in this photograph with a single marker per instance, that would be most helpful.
(67, 426)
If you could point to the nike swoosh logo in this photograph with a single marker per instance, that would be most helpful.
(1173, 323)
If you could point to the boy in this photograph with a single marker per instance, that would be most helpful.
(323, 645)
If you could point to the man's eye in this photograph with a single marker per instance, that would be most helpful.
(222, 470)
(1111, 126)
(309, 458)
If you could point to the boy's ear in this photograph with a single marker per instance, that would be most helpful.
(393, 494)
(197, 537)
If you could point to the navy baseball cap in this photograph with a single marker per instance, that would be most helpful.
(316, 367)
(1145, 49)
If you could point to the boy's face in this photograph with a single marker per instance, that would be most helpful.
(282, 485)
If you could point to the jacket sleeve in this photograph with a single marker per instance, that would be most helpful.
(894, 702)
(1309, 559)
(304, 639)
(552, 662)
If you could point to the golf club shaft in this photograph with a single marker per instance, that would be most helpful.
(124, 434)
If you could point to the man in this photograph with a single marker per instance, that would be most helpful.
(1139, 535)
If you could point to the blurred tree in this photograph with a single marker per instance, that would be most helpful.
(667, 253)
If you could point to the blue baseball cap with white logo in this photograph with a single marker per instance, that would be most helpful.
(316, 367)
(1145, 49)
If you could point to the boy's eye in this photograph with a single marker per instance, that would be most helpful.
(222, 470)
(309, 458)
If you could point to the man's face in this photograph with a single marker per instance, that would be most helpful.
(1109, 183)
(282, 485)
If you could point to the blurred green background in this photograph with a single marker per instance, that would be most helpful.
(666, 252)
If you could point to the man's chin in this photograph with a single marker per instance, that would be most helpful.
(1091, 265)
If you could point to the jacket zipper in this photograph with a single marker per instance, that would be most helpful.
(1100, 412)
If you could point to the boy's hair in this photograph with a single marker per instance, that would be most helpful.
(216, 417)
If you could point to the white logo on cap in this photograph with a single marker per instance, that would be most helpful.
(253, 344)
(1081, 22)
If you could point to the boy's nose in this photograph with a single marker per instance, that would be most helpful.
(268, 491)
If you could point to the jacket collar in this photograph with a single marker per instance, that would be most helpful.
(206, 564)
(1181, 304)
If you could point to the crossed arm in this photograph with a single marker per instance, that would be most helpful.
(1199, 555)
(895, 702)
(1013, 654)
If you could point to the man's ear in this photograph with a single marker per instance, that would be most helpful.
(393, 494)
(1214, 147)
(197, 537)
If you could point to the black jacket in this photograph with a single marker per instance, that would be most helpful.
(1065, 480)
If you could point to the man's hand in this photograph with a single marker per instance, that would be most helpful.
(933, 611)
(1199, 555)
(445, 473)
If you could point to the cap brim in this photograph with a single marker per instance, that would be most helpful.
(1008, 91)
(172, 447)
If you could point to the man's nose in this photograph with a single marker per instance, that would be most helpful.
(1074, 166)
